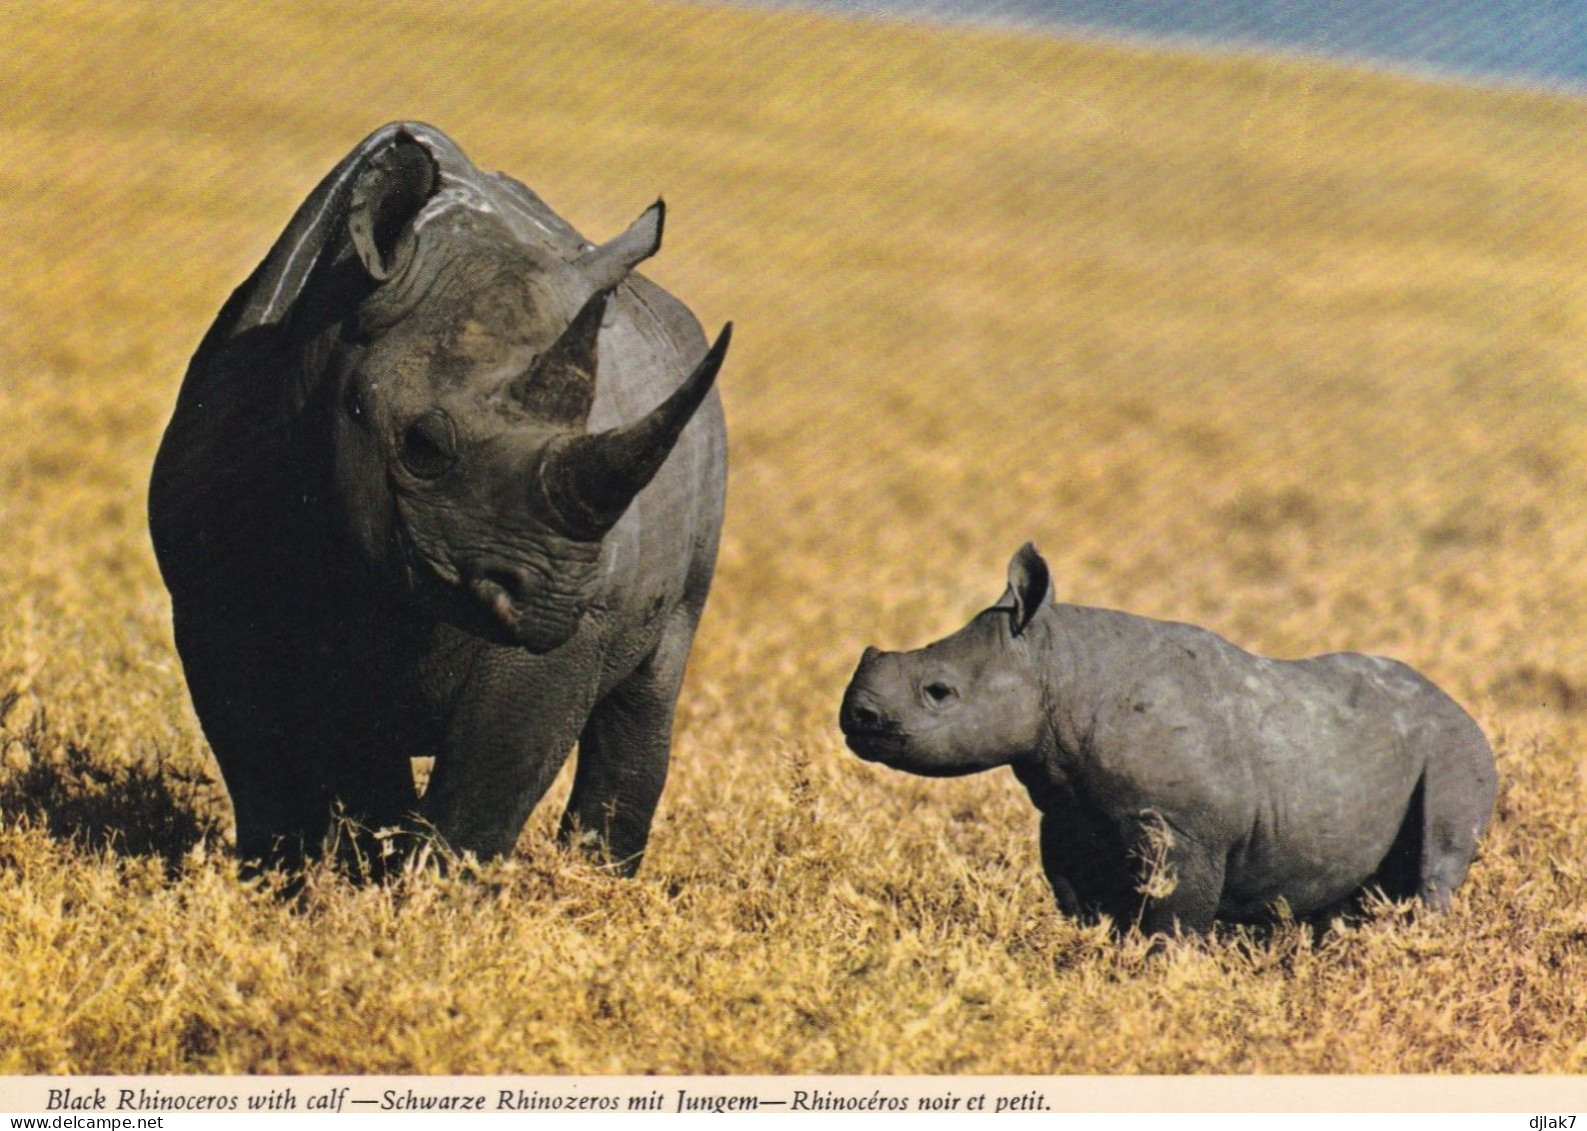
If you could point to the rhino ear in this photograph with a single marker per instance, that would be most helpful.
(313, 244)
(1029, 585)
(391, 189)
(606, 266)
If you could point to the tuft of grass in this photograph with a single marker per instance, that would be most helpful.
(1293, 351)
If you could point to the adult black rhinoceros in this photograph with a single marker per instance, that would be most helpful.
(443, 479)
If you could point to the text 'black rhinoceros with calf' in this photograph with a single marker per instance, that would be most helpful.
(443, 480)
(1182, 779)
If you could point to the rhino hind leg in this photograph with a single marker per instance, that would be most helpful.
(1179, 880)
(1457, 790)
(624, 752)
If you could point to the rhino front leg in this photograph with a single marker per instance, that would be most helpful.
(286, 804)
(291, 805)
(623, 755)
(282, 811)
(281, 793)
(510, 732)
(1083, 864)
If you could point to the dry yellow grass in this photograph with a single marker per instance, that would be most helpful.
(1292, 351)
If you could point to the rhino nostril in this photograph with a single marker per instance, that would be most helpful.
(508, 582)
(504, 592)
(867, 719)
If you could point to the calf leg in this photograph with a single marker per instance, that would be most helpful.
(1179, 880)
(1457, 801)
(623, 755)
(1399, 873)
(1055, 863)
(1084, 863)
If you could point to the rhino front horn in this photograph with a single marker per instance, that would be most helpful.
(587, 481)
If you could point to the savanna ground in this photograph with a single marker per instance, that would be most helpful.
(1292, 351)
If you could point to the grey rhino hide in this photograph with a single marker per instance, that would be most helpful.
(443, 479)
(1180, 778)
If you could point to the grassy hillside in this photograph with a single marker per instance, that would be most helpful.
(1291, 351)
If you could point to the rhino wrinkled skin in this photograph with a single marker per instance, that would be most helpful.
(1181, 779)
(443, 479)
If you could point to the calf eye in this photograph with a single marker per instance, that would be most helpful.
(429, 446)
(939, 693)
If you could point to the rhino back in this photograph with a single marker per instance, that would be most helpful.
(1339, 748)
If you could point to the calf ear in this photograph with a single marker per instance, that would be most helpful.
(392, 188)
(1029, 585)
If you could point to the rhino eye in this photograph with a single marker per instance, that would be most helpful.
(939, 693)
(429, 446)
(353, 399)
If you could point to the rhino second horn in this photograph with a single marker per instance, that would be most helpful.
(605, 266)
(588, 481)
(559, 387)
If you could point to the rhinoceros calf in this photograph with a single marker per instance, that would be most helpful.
(446, 480)
(1180, 778)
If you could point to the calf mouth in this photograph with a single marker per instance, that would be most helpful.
(891, 746)
(887, 745)
(893, 751)
(883, 746)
